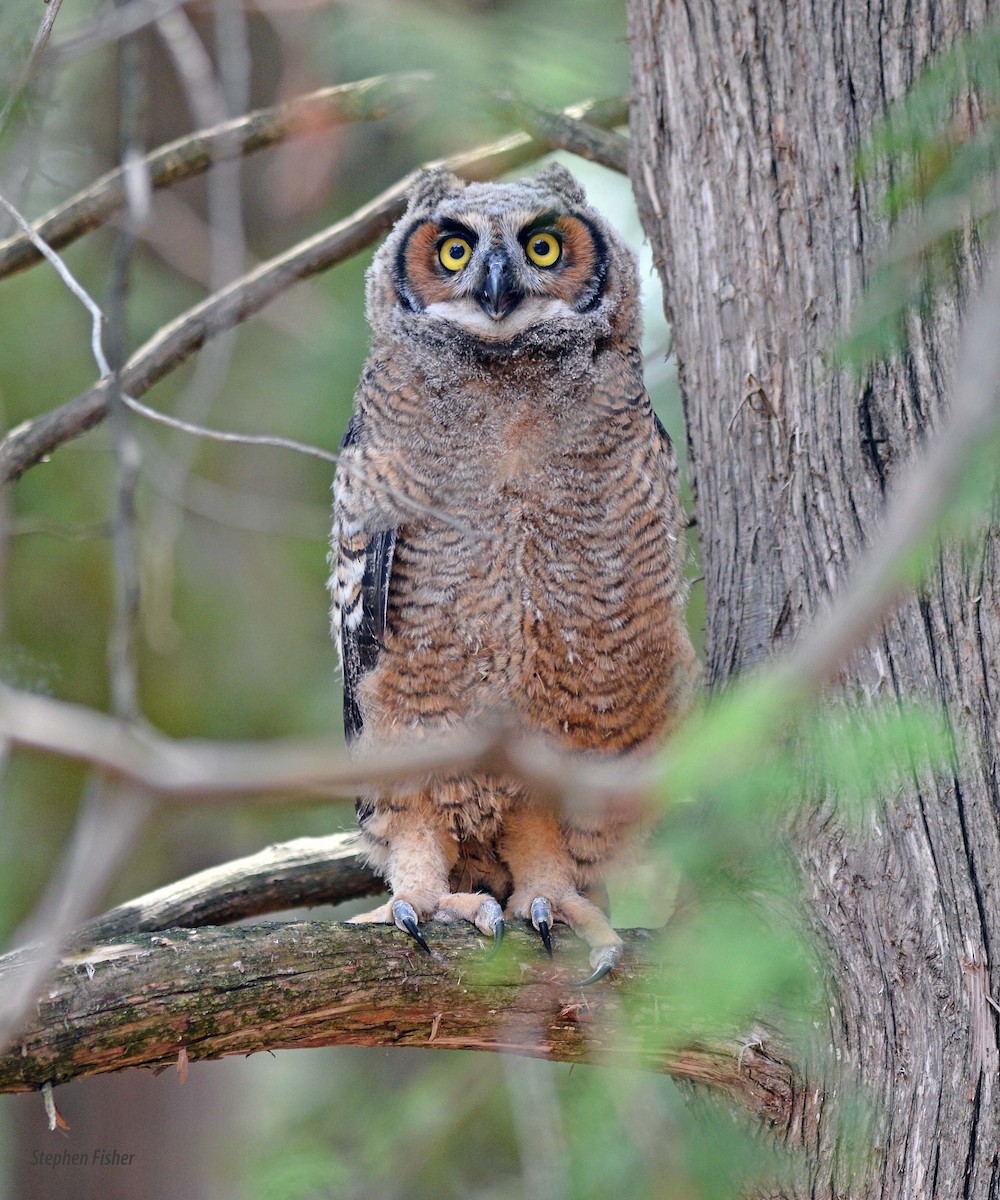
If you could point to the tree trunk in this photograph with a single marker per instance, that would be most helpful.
(746, 122)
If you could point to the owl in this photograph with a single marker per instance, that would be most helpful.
(507, 538)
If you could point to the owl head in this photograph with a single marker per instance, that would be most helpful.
(489, 267)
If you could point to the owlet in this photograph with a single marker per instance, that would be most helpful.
(507, 537)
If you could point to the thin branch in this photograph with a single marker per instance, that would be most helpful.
(110, 25)
(175, 342)
(217, 992)
(582, 138)
(367, 100)
(196, 772)
(27, 74)
(45, 251)
(114, 382)
(122, 653)
(212, 101)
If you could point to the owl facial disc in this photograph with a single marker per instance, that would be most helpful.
(477, 268)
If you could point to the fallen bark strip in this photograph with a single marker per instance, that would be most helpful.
(303, 872)
(160, 998)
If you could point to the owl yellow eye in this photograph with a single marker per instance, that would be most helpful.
(454, 253)
(543, 249)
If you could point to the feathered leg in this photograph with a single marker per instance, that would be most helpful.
(546, 888)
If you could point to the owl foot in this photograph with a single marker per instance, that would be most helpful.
(477, 908)
(586, 920)
(406, 919)
(602, 960)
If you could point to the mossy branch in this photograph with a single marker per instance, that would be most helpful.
(163, 998)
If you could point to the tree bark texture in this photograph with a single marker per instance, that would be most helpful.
(746, 122)
(175, 997)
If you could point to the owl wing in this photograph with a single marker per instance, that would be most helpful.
(360, 588)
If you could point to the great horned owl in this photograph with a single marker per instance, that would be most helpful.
(507, 536)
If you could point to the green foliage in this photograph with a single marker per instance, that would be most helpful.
(934, 159)
(235, 642)
(732, 781)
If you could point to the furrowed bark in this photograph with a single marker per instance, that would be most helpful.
(745, 130)
(208, 993)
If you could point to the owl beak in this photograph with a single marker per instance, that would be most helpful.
(499, 295)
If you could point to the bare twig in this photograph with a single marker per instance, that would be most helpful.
(366, 100)
(582, 138)
(114, 378)
(172, 345)
(110, 25)
(45, 251)
(37, 50)
(209, 107)
(123, 670)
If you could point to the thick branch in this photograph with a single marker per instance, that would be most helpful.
(307, 871)
(215, 992)
(177, 341)
(365, 100)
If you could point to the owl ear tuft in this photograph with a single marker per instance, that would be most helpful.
(430, 186)
(563, 182)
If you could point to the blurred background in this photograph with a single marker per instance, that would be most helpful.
(232, 547)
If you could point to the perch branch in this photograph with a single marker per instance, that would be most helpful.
(217, 992)
(366, 100)
(177, 341)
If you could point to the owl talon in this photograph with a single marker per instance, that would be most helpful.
(602, 960)
(489, 918)
(406, 919)
(541, 918)
(498, 931)
(543, 929)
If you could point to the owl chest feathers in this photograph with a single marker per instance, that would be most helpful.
(539, 586)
